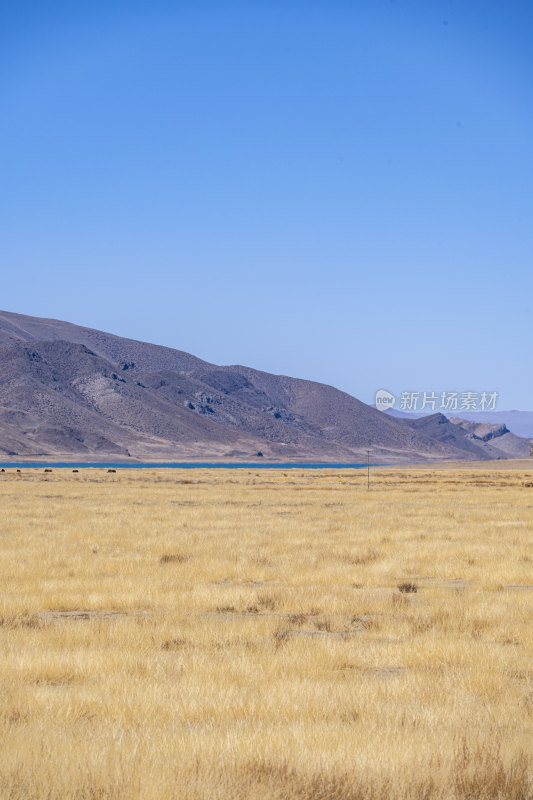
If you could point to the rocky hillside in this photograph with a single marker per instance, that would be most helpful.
(494, 438)
(70, 391)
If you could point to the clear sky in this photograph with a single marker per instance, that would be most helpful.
(340, 191)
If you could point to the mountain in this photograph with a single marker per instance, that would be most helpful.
(518, 422)
(481, 440)
(492, 437)
(70, 391)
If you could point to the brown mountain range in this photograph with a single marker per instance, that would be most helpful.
(72, 392)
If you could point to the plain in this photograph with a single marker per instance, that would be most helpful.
(266, 634)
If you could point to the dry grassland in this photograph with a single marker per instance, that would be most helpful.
(241, 634)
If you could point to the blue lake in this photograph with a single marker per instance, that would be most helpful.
(178, 465)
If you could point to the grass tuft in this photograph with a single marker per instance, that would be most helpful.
(173, 558)
(408, 588)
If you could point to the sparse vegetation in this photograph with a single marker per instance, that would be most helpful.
(173, 558)
(408, 587)
(162, 641)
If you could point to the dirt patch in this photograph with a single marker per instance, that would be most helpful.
(85, 615)
(383, 673)
(517, 587)
(320, 634)
(457, 584)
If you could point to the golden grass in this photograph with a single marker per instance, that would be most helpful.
(241, 634)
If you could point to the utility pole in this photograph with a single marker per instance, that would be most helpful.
(368, 469)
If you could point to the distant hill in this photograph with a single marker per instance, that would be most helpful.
(518, 422)
(495, 437)
(70, 391)
(492, 441)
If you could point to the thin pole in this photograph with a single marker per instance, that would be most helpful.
(368, 469)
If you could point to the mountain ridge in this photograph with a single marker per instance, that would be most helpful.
(71, 390)
(518, 422)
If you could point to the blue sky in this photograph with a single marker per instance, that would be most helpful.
(340, 191)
